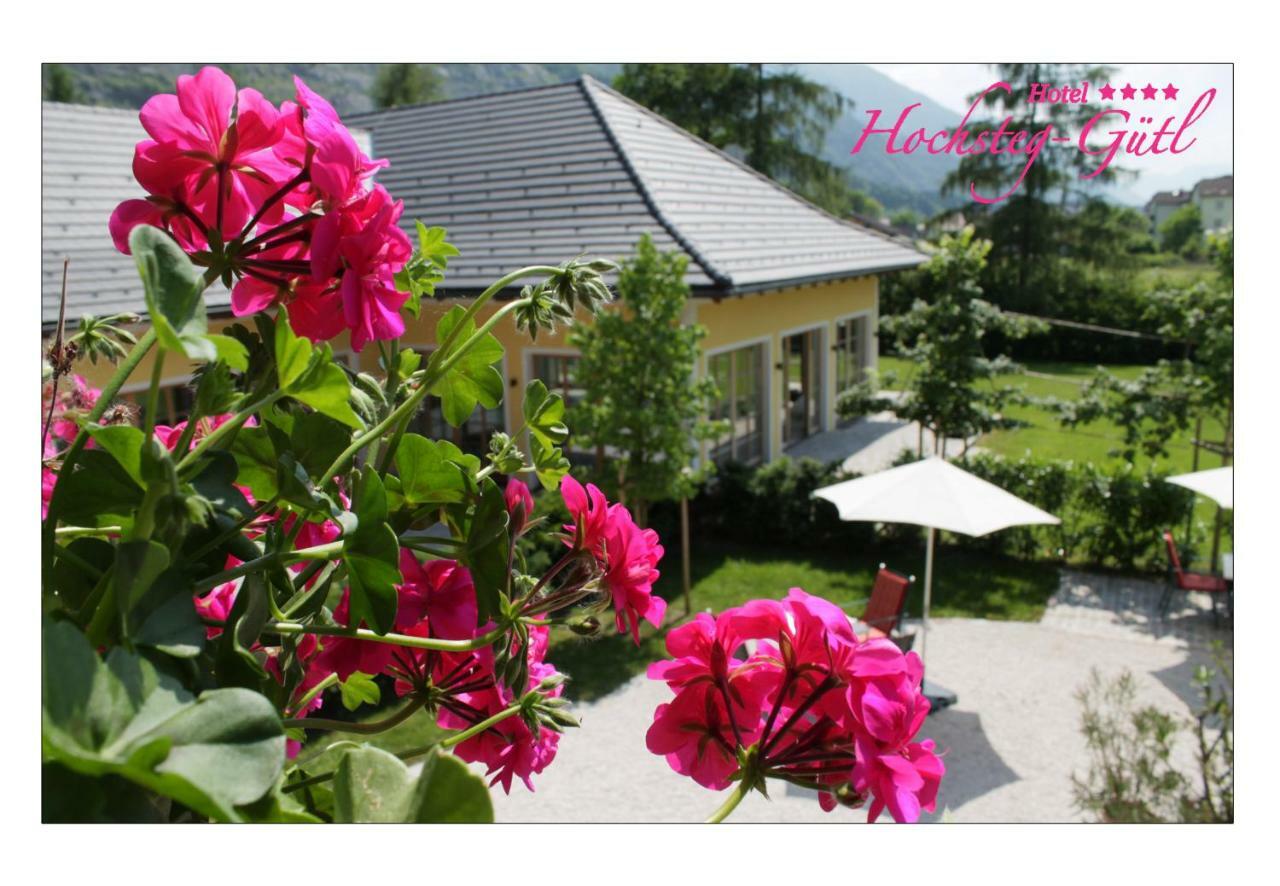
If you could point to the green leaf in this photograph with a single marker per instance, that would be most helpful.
(473, 379)
(549, 462)
(217, 483)
(173, 288)
(359, 689)
(74, 584)
(487, 546)
(124, 442)
(138, 565)
(449, 792)
(256, 462)
(174, 628)
(316, 440)
(234, 661)
(372, 555)
(99, 492)
(124, 718)
(309, 375)
(544, 413)
(427, 476)
(371, 785)
(372, 559)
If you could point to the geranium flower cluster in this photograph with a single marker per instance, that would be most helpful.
(278, 199)
(627, 554)
(60, 413)
(785, 690)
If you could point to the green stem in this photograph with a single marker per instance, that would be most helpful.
(153, 395)
(369, 727)
(79, 531)
(290, 628)
(279, 558)
(331, 680)
(228, 428)
(459, 737)
(730, 804)
(431, 376)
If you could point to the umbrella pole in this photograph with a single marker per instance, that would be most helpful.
(928, 592)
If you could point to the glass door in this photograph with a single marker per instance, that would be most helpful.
(801, 385)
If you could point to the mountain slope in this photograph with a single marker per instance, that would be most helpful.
(899, 180)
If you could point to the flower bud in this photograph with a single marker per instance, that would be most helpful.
(584, 626)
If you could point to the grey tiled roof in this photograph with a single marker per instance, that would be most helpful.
(86, 169)
(541, 175)
(527, 177)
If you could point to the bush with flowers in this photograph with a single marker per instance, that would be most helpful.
(208, 586)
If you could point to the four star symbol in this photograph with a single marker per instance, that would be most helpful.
(1129, 92)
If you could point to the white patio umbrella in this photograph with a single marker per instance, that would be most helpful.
(937, 495)
(1217, 483)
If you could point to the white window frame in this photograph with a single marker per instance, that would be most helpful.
(823, 327)
(769, 370)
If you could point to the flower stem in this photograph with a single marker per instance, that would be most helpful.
(153, 395)
(279, 558)
(369, 727)
(730, 804)
(228, 428)
(429, 379)
(487, 639)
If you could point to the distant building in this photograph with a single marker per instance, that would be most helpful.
(1213, 196)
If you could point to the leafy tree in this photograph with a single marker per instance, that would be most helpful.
(640, 396)
(906, 218)
(943, 334)
(407, 84)
(1222, 250)
(1182, 230)
(1027, 226)
(1168, 398)
(776, 119)
(60, 84)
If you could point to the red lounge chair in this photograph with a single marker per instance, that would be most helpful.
(1191, 581)
(884, 609)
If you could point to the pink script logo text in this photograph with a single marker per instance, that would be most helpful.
(1136, 141)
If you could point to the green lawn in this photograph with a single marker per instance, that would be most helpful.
(1041, 434)
(966, 584)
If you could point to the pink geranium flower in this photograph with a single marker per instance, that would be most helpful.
(519, 505)
(628, 554)
(210, 154)
(786, 686)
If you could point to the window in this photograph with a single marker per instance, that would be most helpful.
(559, 372)
(853, 352)
(474, 434)
(739, 376)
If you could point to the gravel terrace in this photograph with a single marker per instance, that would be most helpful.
(1011, 742)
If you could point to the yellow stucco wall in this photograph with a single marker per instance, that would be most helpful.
(757, 318)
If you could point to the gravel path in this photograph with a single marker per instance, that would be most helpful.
(1012, 741)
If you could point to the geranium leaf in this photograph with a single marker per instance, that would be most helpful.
(173, 288)
(473, 378)
(124, 718)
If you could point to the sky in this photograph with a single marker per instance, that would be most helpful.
(950, 84)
